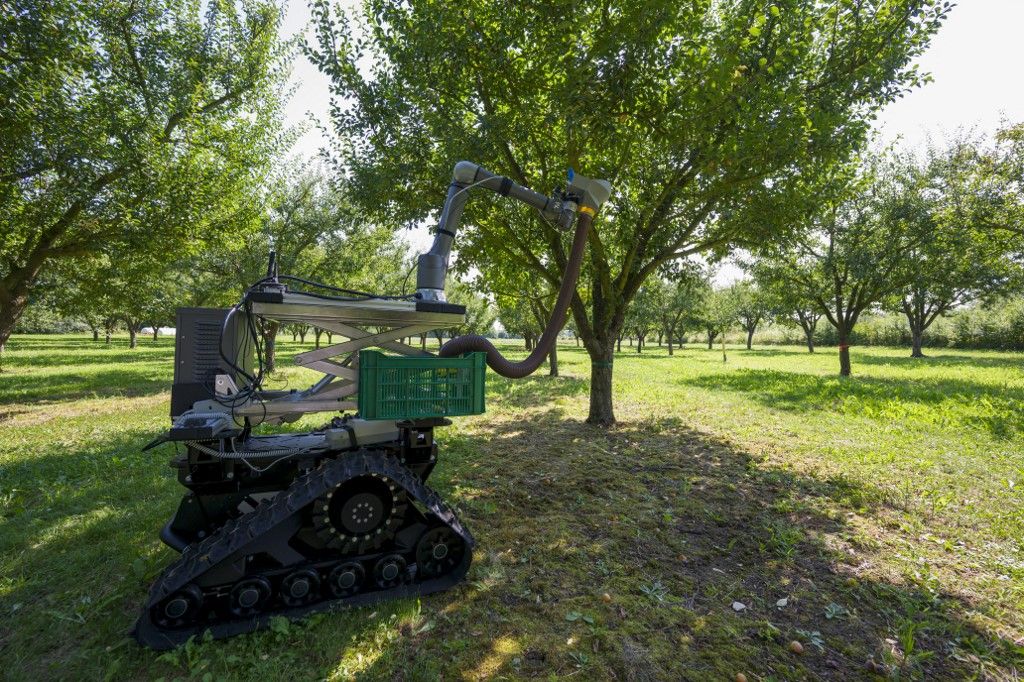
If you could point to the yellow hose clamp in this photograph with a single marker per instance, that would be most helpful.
(589, 211)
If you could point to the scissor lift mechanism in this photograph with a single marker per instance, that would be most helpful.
(374, 323)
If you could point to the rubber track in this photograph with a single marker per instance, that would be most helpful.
(236, 534)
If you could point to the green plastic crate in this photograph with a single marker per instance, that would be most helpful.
(401, 387)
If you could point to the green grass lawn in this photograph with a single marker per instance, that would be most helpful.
(879, 521)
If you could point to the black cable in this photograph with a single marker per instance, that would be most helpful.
(353, 292)
(255, 336)
(407, 275)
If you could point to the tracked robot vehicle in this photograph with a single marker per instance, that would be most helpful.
(288, 524)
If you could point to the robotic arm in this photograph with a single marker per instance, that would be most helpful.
(583, 195)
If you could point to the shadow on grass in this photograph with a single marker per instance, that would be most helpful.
(999, 410)
(127, 382)
(1005, 361)
(675, 528)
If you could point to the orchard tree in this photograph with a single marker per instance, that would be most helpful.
(516, 317)
(718, 315)
(680, 298)
(480, 313)
(992, 185)
(751, 308)
(786, 302)
(117, 115)
(957, 260)
(854, 250)
(645, 312)
(708, 118)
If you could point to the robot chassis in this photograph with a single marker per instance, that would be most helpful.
(289, 524)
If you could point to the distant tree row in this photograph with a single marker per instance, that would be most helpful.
(920, 237)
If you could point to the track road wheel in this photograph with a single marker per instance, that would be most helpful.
(439, 551)
(389, 571)
(346, 579)
(249, 596)
(300, 587)
(181, 608)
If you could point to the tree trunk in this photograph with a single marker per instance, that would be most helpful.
(639, 343)
(601, 410)
(553, 361)
(577, 341)
(270, 345)
(724, 357)
(711, 339)
(302, 334)
(423, 341)
(619, 344)
(750, 338)
(920, 315)
(321, 331)
(95, 334)
(8, 317)
(661, 335)
(809, 333)
(631, 342)
(917, 337)
(156, 332)
(668, 337)
(844, 352)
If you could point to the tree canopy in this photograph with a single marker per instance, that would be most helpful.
(709, 118)
(956, 259)
(129, 128)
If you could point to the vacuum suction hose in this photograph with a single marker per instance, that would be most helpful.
(515, 370)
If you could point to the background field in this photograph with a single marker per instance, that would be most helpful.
(886, 511)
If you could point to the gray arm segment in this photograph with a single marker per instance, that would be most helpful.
(433, 265)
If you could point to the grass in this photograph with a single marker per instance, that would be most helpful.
(736, 508)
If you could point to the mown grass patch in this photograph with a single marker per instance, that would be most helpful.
(876, 520)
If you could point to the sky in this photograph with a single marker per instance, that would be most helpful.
(975, 61)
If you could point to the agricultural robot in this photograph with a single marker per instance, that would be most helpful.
(287, 524)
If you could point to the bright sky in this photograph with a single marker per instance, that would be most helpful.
(975, 61)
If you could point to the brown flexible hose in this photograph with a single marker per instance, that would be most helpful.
(515, 370)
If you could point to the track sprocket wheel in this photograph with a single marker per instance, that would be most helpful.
(361, 514)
